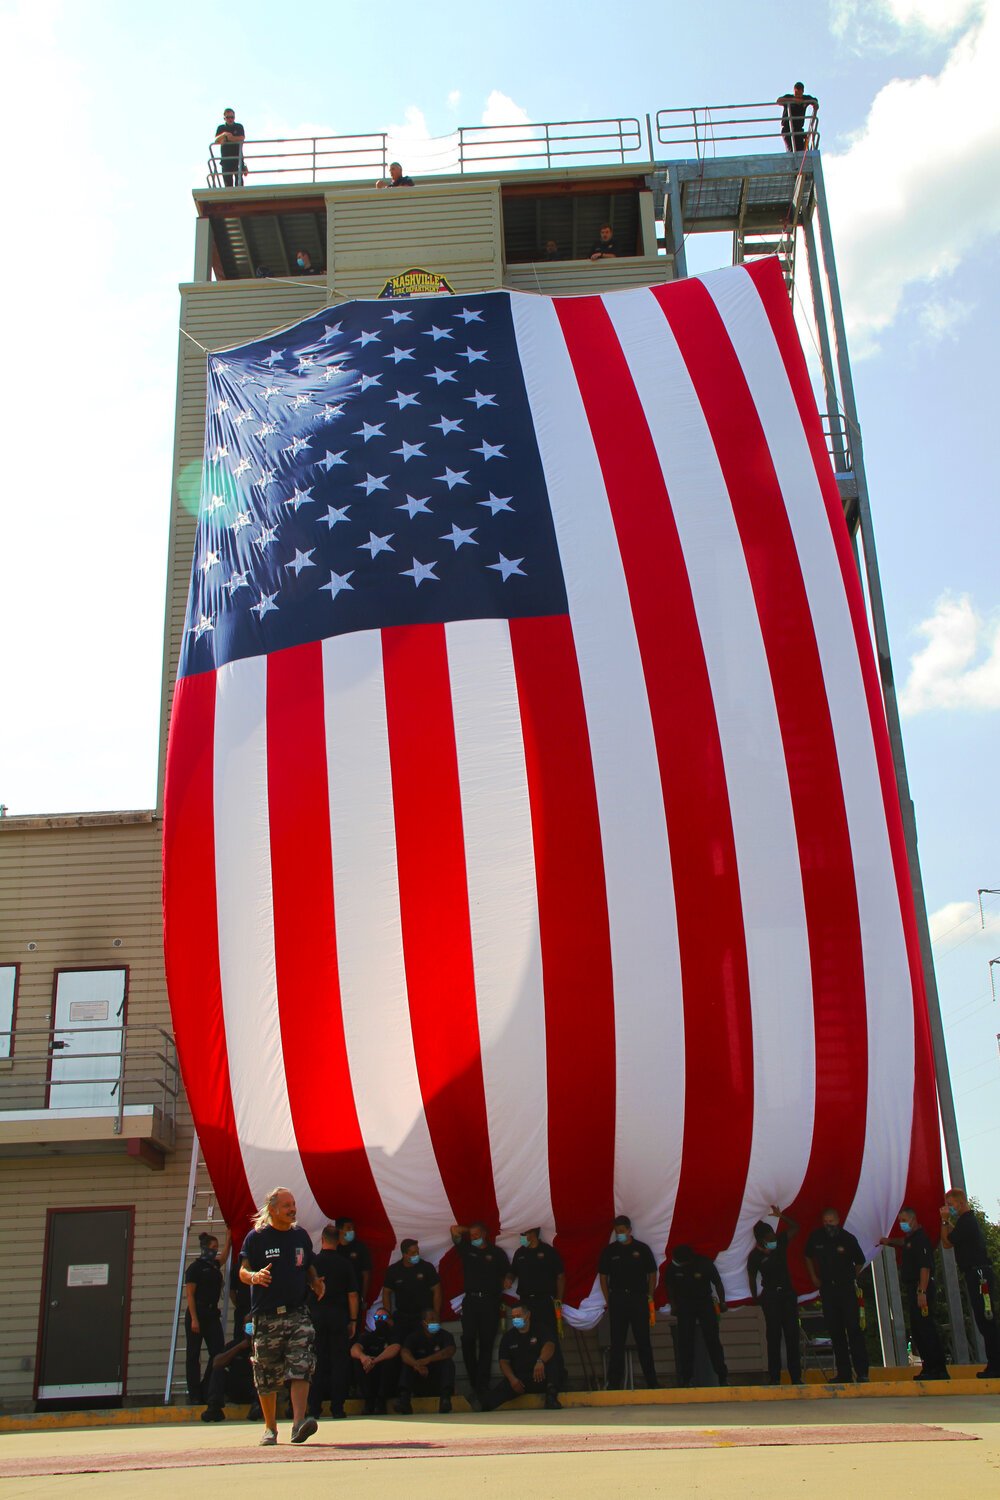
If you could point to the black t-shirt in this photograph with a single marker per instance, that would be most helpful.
(288, 1252)
(359, 1256)
(401, 182)
(772, 1267)
(230, 149)
(537, 1271)
(413, 1286)
(375, 1341)
(690, 1284)
(606, 247)
(339, 1282)
(421, 1344)
(917, 1252)
(835, 1256)
(522, 1348)
(968, 1243)
(627, 1267)
(483, 1268)
(206, 1278)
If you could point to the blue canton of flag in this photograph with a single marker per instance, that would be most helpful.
(374, 465)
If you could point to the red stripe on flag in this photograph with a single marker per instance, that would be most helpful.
(575, 942)
(434, 912)
(718, 1119)
(191, 942)
(317, 1067)
(924, 1181)
(827, 867)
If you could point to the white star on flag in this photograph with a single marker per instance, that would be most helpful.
(266, 536)
(505, 567)
(442, 375)
(300, 497)
(333, 515)
(401, 399)
(420, 571)
(448, 424)
(264, 605)
(328, 462)
(371, 482)
(473, 354)
(398, 317)
(459, 538)
(451, 477)
(367, 380)
(468, 315)
(369, 430)
(366, 338)
(398, 354)
(410, 450)
(436, 333)
(481, 400)
(416, 507)
(497, 502)
(376, 544)
(490, 450)
(301, 560)
(337, 582)
(238, 581)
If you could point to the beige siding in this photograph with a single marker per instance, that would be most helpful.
(583, 278)
(455, 229)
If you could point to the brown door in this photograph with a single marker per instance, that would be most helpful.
(85, 1305)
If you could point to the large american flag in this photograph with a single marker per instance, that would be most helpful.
(532, 843)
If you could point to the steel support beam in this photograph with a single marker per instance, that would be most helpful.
(946, 1100)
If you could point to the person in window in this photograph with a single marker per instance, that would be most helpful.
(203, 1320)
(793, 116)
(229, 137)
(304, 265)
(604, 247)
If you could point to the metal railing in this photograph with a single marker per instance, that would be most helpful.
(838, 441)
(332, 158)
(137, 1066)
(705, 127)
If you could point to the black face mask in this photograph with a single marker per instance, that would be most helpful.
(209, 1254)
(832, 1230)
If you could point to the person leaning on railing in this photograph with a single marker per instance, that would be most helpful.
(395, 177)
(793, 116)
(229, 137)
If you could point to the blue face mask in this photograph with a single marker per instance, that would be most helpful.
(478, 1244)
(770, 1244)
(348, 1236)
(524, 1241)
(621, 1236)
(906, 1226)
(248, 1330)
(380, 1320)
(953, 1210)
(413, 1257)
(433, 1327)
(517, 1322)
(300, 261)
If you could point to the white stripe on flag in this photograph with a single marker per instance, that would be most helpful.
(246, 938)
(760, 802)
(888, 987)
(650, 1078)
(503, 912)
(374, 1004)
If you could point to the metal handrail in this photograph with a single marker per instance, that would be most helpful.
(144, 1047)
(351, 157)
(705, 126)
(838, 441)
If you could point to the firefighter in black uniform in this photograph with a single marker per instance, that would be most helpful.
(769, 1261)
(916, 1272)
(426, 1364)
(203, 1281)
(485, 1271)
(689, 1280)
(628, 1278)
(335, 1320)
(960, 1232)
(538, 1270)
(528, 1363)
(835, 1260)
(416, 1287)
(375, 1352)
(230, 1377)
(359, 1255)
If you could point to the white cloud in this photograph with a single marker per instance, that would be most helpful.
(942, 317)
(960, 665)
(420, 152)
(885, 25)
(454, 98)
(916, 190)
(957, 921)
(501, 110)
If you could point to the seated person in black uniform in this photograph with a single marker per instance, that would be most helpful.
(628, 1279)
(375, 1353)
(916, 1273)
(689, 1280)
(416, 1287)
(357, 1252)
(335, 1319)
(230, 1377)
(769, 1261)
(485, 1272)
(527, 1364)
(960, 1232)
(835, 1260)
(203, 1282)
(426, 1365)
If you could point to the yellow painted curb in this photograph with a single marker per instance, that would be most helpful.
(884, 1383)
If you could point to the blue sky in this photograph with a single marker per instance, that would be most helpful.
(107, 113)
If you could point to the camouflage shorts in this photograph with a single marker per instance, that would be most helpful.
(283, 1349)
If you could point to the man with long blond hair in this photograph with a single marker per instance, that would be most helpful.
(276, 1263)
